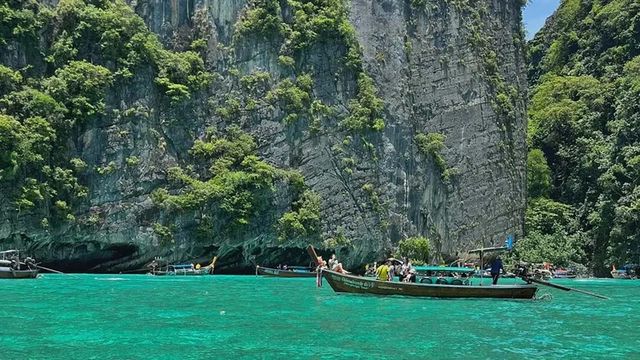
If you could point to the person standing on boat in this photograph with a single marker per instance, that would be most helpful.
(383, 272)
(496, 268)
(392, 271)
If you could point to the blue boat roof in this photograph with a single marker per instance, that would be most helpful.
(444, 268)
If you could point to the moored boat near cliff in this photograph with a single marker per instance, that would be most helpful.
(182, 269)
(564, 274)
(290, 272)
(12, 268)
(628, 271)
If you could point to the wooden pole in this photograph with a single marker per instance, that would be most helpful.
(481, 266)
(51, 270)
(565, 288)
(312, 253)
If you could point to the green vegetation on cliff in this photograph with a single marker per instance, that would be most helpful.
(584, 132)
(77, 52)
(431, 145)
(231, 185)
(300, 25)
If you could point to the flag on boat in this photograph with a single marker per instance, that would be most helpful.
(509, 242)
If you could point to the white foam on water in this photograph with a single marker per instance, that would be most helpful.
(111, 279)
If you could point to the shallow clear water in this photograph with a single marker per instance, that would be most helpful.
(222, 317)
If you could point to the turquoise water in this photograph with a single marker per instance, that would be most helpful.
(230, 317)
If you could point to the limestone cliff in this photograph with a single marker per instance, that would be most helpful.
(404, 117)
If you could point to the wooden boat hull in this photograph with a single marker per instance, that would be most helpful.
(360, 285)
(619, 275)
(284, 273)
(6, 273)
(564, 276)
(182, 273)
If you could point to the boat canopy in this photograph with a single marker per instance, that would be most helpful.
(9, 252)
(488, 249)
(444, 268)
(5, 255)
(182, 266)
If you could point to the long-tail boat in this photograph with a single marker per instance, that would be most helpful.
(290, 272)
(12, 268)
(361, 285)
(341, 282)
(183, 269)
(626, 272)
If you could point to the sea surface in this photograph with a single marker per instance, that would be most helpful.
(234, 317)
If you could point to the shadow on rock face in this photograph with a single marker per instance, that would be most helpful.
(82, 258)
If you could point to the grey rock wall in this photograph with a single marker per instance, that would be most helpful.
(430, 78)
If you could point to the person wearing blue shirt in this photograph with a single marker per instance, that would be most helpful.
(496, 268)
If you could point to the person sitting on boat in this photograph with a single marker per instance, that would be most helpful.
(30, 263)
(15, 262)
(496, 268)
(333, 261)
(383, 272)
(411, 276)
(393, 269)
(337, 266)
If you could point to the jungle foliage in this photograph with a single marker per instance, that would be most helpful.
(584, 132)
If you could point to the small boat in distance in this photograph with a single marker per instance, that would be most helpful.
(12, 268)
(182, 269)
(360, 285)
(627, 271)
(289, 272)
(561, 273)
(542, 274)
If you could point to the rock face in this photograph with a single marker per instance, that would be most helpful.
(376, 188)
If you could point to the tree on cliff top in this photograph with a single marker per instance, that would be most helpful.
(416, 248)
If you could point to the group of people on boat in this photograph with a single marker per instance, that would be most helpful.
(387, 271)
(333, 264)
(12, 260)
